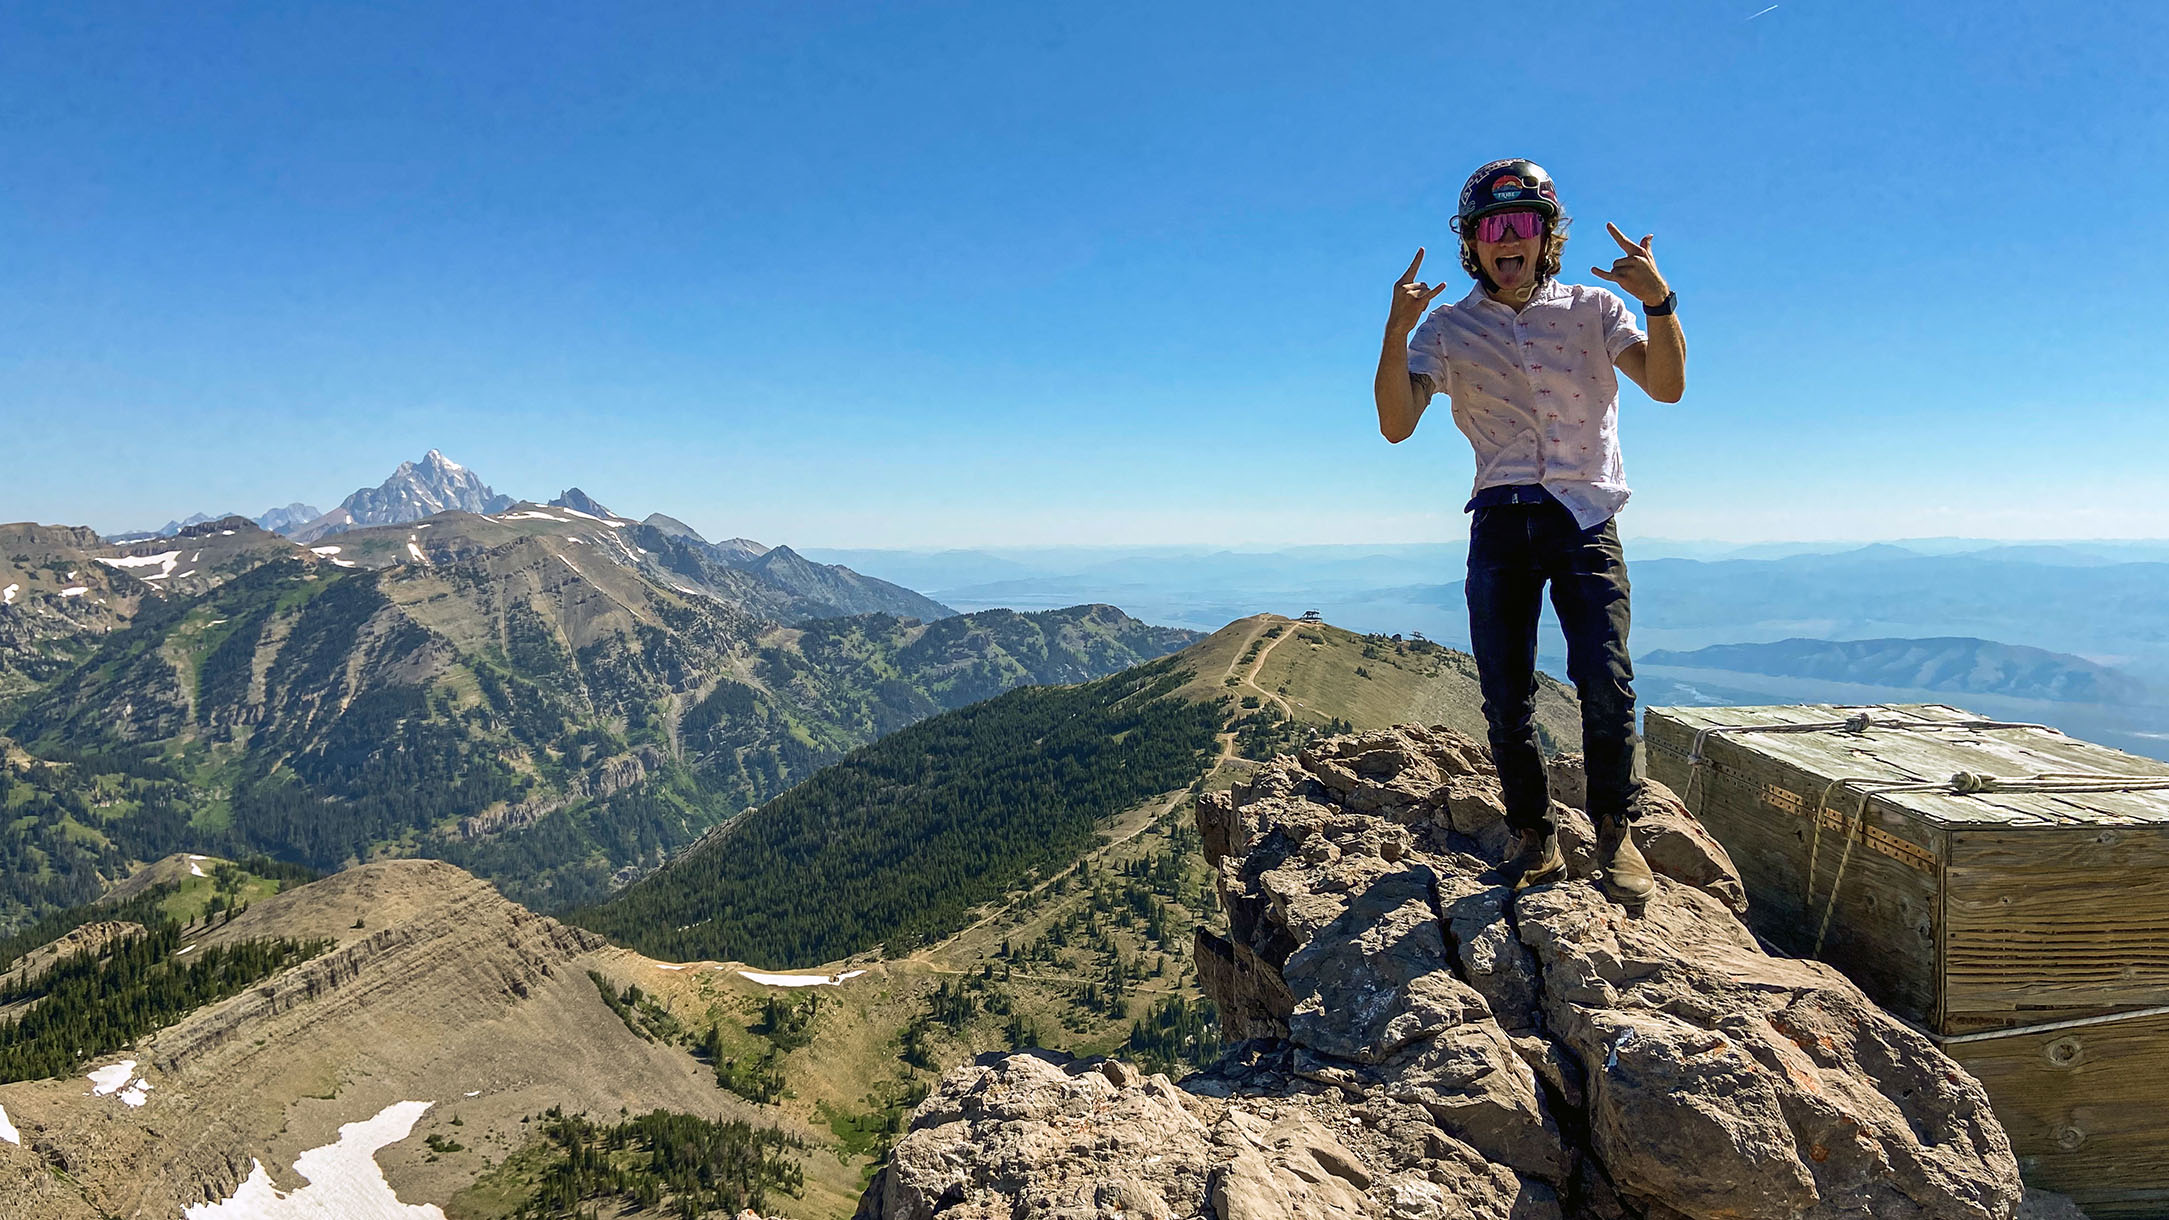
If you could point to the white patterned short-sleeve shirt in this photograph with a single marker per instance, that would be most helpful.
(1536, 392)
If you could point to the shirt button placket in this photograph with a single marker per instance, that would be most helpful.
(1521, 353)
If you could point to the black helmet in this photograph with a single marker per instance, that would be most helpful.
(1504, 185)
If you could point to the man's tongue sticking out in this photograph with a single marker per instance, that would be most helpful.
(1509, 270)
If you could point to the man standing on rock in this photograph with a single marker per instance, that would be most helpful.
(1528, 364)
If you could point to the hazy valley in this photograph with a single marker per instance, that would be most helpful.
(2095, 602)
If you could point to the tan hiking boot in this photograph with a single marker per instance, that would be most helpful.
(1622, 872)
(1538, 860)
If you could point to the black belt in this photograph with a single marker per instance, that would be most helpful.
(1509, 493)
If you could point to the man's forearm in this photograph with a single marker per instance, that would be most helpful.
(1667, 366)
(1398, 409)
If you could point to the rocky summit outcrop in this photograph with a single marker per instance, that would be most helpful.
(1421, 1043)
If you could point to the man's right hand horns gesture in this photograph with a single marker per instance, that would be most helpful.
(1411, 298)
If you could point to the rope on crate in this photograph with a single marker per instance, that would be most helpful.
(1858, 723)
(1966, 783)
(1855, 830)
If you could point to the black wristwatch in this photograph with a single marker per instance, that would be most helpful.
(1663, 307)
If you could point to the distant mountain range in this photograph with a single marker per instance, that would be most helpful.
(552, 695)
(277, 520)
(1956, 663)
(436, 484)
(2098, 600)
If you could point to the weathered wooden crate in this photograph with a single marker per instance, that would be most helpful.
(2027, 931)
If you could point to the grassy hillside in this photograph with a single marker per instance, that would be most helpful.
(435, 991)
(184, 889)
(1290, 679)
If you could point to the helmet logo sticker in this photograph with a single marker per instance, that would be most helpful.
(1511, 186)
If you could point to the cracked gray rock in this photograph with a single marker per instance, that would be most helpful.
(1420, 1042)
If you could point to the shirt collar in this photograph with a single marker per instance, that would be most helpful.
(1552, 290)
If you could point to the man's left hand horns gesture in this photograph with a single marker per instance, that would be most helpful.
(1636, 270)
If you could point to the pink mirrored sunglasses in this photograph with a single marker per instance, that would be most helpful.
(1508, 226)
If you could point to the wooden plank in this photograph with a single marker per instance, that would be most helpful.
(2087, 1110)
(2042, 921)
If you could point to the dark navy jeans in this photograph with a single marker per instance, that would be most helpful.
(1514, 551)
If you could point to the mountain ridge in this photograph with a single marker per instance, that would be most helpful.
(546, 720)
(1949, 663)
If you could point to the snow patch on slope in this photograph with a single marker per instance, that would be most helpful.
(344, 1180)
(164, 561)
(800, 980)
(108, 1080)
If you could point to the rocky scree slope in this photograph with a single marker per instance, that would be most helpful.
(1423, 1044)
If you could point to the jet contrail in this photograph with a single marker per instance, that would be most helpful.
(1771, 9)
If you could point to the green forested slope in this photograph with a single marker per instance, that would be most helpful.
(897, 842)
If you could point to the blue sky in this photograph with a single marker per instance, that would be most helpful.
(962, 273)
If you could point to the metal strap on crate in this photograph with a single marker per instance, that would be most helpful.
(2044, 1027)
